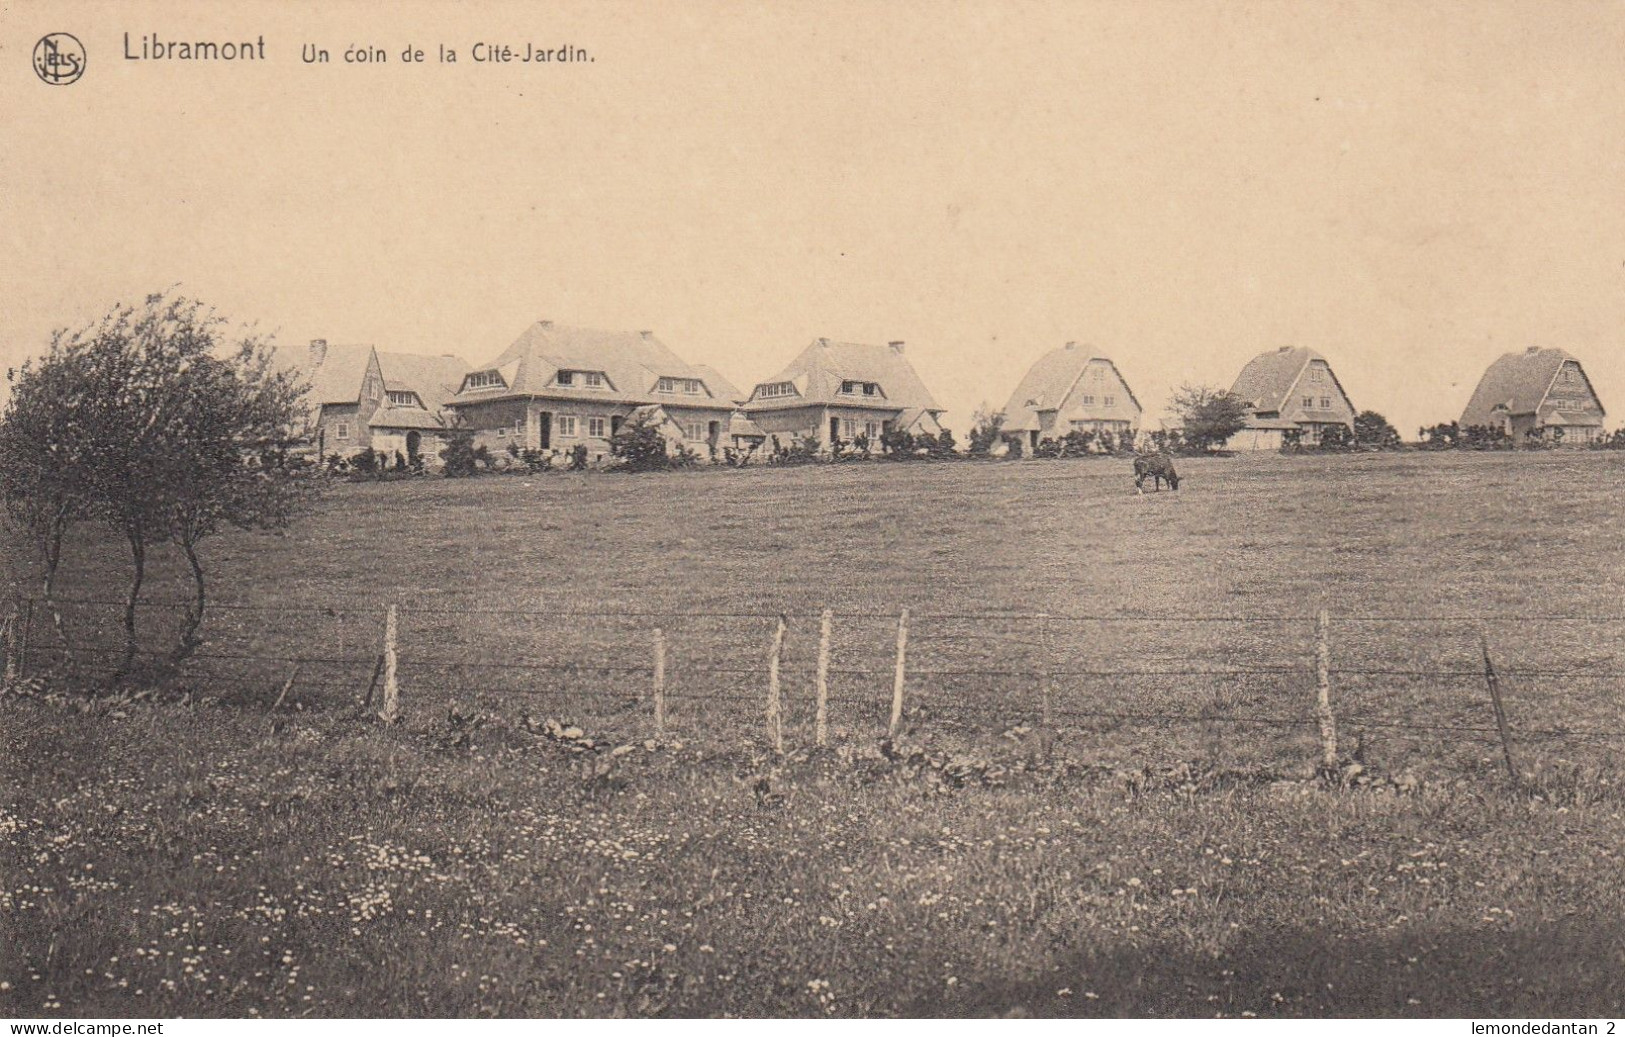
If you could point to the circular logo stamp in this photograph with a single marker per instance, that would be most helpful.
(59, 58)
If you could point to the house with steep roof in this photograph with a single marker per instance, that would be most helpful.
(841, 390)
(559, 386)
(1070, 389)
(1538, 393)
(391, 402)
(1287, 389)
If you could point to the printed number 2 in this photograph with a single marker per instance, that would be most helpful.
(1610, 1027)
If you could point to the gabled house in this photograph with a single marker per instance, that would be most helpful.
(1536, 393)
(841, 390)
(1070, 389)
(1286, 389)
(558, 386)
(391, 402)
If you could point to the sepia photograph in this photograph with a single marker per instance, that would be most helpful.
(833, 509)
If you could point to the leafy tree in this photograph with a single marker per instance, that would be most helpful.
(1210, 416)
(158, 426)
(986, 425)
(1373, 430)
(943, 445)
(40, 462)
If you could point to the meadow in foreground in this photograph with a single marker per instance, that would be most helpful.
(201, 855)
(165, 860)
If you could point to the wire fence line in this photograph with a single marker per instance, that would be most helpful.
(1402, 676)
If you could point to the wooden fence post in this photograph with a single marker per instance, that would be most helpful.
(821, 715)
(22, 647)
(1045, 672)
(8, 643)
(775, 715)
(660, 683)
(392, 690)
(1494, 683)
(896, 724)
(1323, 691)
(287, 686)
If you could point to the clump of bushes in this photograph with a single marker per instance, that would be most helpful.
(461, 458)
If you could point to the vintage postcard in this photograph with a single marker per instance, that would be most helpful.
(839, 509)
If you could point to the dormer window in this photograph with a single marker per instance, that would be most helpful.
(485, 380)
(686, 386)
(580, 379)
(770, 390)
(398, 398)
(855, 388)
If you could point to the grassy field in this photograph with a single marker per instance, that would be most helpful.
(1161, 849)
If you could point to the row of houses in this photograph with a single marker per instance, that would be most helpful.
(559, 387)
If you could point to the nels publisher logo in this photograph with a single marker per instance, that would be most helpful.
(59, 58)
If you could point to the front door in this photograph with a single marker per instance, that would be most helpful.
(544, 422)
(414, 444)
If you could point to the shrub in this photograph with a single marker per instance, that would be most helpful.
(460, 459)
(639, 446)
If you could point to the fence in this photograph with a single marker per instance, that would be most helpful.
(1394, 690)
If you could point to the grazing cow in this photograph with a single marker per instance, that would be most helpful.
(1160, 467)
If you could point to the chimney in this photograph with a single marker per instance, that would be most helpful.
(896, 347)
(1533, 350)
(645, 332)
(1072, 345)
(545, 323)
(1284, 349)
(318, 352)
(823, 341)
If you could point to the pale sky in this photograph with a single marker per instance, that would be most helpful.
(1409, 188)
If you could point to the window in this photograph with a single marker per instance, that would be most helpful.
(687, 386)
(849, 428)
(768, 390)
(521, 426)
(1088, 400)
(694, 431)
(1325, 403)
(566, 378)
(502, 433)
(372, 388)
(404, 399)
(565, 424)
(1108, 400)
(1308, 401)
(592, 379)
(485, 380)
(1314, 374)
(596, 427)
(854, 388)
(871, 429)
(343, 430)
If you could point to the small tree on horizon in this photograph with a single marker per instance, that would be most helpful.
(1210, 416)
(986, 425)
(1373, 430)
